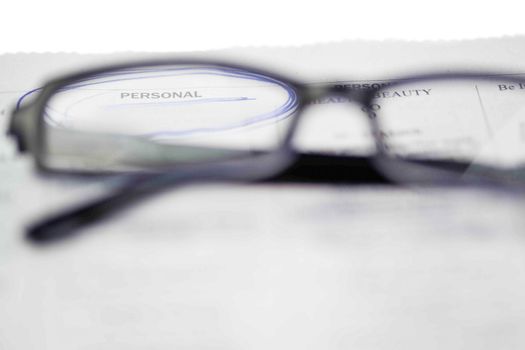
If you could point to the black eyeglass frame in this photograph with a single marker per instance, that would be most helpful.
(27, 125)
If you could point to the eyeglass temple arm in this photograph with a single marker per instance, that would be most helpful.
(309, 168)
(323, 168)
(136, 187)
(69, 222)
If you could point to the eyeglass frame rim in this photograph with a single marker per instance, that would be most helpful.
(305, 95)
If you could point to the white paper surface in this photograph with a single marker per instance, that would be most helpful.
(268, 266)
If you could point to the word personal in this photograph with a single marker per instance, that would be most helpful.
(160, 95)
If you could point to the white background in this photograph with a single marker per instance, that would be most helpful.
(154, 25)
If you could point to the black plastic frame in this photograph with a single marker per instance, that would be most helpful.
(27, 125)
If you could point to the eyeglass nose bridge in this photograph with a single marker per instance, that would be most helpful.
(315, 93)
(321, 94)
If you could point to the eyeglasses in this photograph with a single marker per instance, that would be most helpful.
(168, 123)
